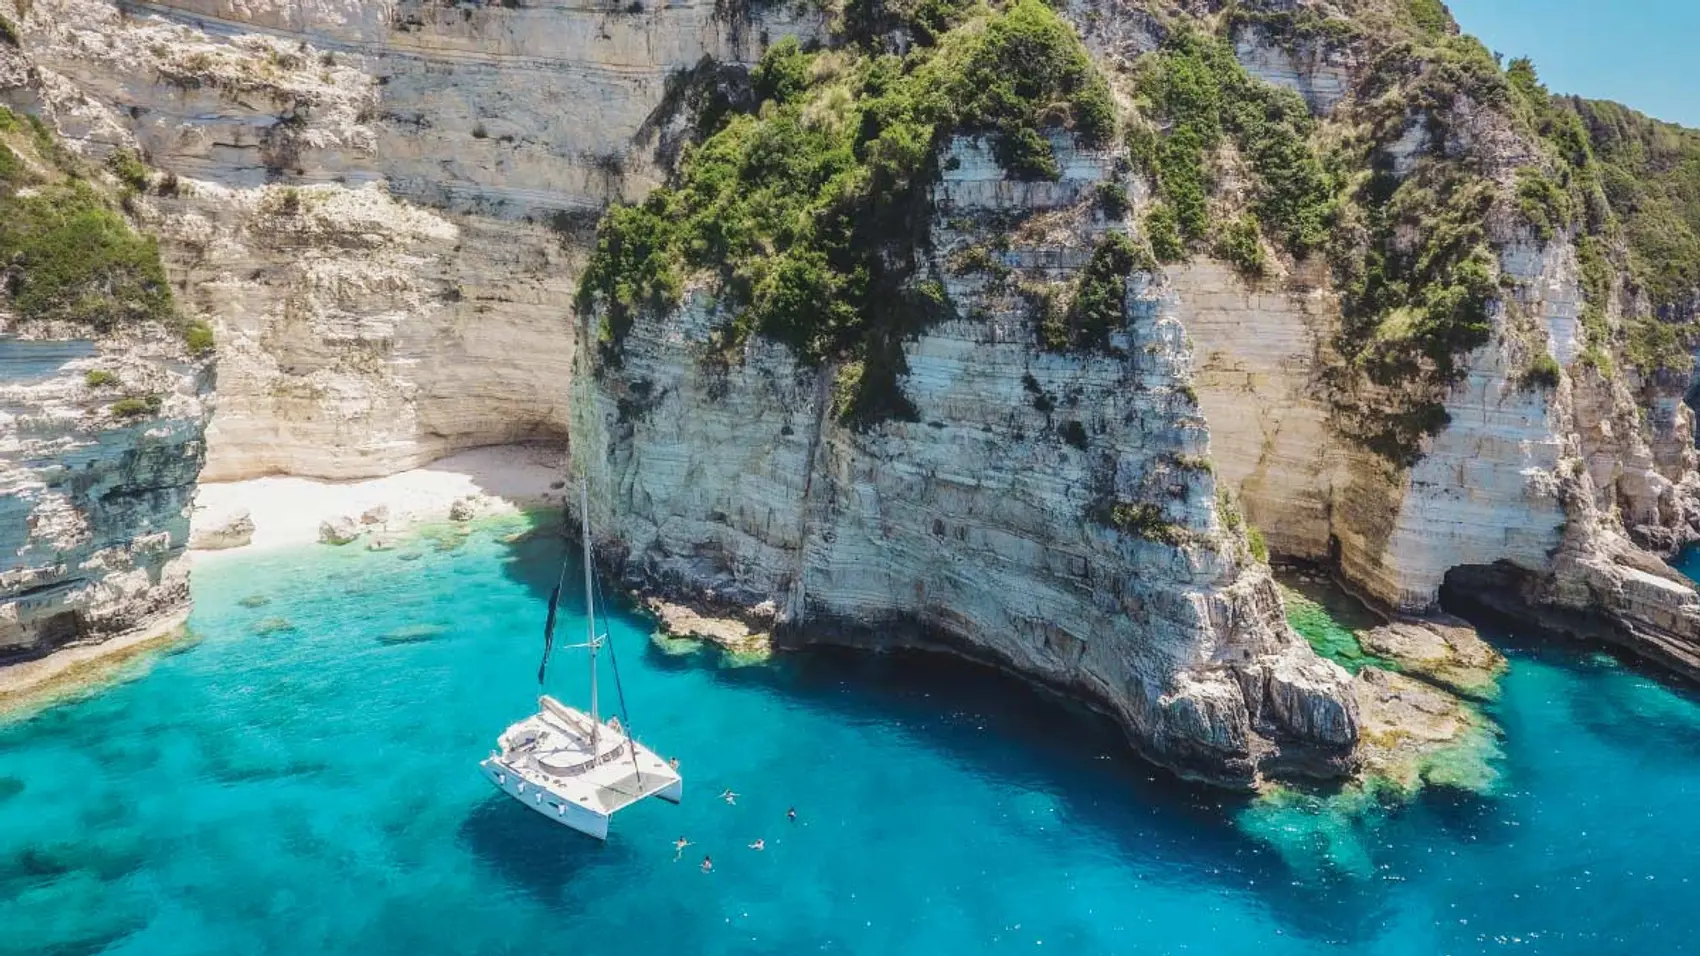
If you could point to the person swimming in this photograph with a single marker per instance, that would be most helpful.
(791, 814)
(760, 844)
(673, 762)
(728, 796)
(708, 864)
(679, 848)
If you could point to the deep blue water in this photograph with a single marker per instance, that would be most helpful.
(291, 783)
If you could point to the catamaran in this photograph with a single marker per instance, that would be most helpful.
(570, 766)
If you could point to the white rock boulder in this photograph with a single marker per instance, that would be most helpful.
(221, 531)
(339, 530)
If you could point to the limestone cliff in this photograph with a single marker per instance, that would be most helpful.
(407, 300)
(972, 528)
(94, 494)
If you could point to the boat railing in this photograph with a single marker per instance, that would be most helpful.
(584, 765)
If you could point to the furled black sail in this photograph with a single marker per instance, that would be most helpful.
(548, 633)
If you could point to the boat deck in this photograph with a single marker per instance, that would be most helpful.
(552, 750)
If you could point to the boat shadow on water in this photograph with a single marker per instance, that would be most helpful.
(534, 855)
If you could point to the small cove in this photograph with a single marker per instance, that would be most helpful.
(300, 778)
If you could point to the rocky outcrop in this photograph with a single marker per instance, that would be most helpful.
(100, 446)
(230, 529)
(977, 528)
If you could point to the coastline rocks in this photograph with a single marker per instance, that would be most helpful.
(1416, 734)
(233, 529)
(1441, 649)
(378, 514)
(95, 508)
(464, 509)
(339, 531)
(730, 633)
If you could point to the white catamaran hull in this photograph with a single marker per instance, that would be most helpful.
(577, 771)
(584, 819)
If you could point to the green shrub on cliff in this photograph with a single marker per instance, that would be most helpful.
(1141, 520)
(129, 168)
(1099, 306)
(805, 217)
(136, 406)
(1195, 85)
(69, 255)
(75, 259)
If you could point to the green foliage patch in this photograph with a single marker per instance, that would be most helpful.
(73, 258)
(1099, 306)
(1196, 87)
(1142, 520)
(69, 254)
(129, 169)
(806, 216)
(136, 406)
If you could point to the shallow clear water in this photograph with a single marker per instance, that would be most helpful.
(313, 788)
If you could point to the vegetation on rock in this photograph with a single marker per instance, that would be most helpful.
(69, 253)
(1098, 309)
(1204, 99)
(806, 216)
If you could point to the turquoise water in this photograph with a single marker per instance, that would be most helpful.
(293, 783)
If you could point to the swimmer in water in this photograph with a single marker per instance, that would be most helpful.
(673, 762)
(708, 864)
(791, 814)
(760, 844)
(679, 848)
(729, 796)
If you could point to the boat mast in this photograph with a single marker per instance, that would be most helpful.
(589, 606)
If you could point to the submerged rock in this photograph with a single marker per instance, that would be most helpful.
(1416, 734)
(730, 633)
(255, 600)
(273, 625)
(413, 634)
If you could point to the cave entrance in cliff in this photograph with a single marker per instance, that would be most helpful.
(1488, 595)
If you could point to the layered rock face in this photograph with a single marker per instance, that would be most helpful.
(973, 528)
(361, 334)
(95, 494)
(1541, 480)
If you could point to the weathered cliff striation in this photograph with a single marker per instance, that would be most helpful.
(95, 494)
(410, 300)
(972, 528)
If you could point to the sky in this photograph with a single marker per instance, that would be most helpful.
(1638, 52)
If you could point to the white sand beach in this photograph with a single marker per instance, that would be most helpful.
(288, 511)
